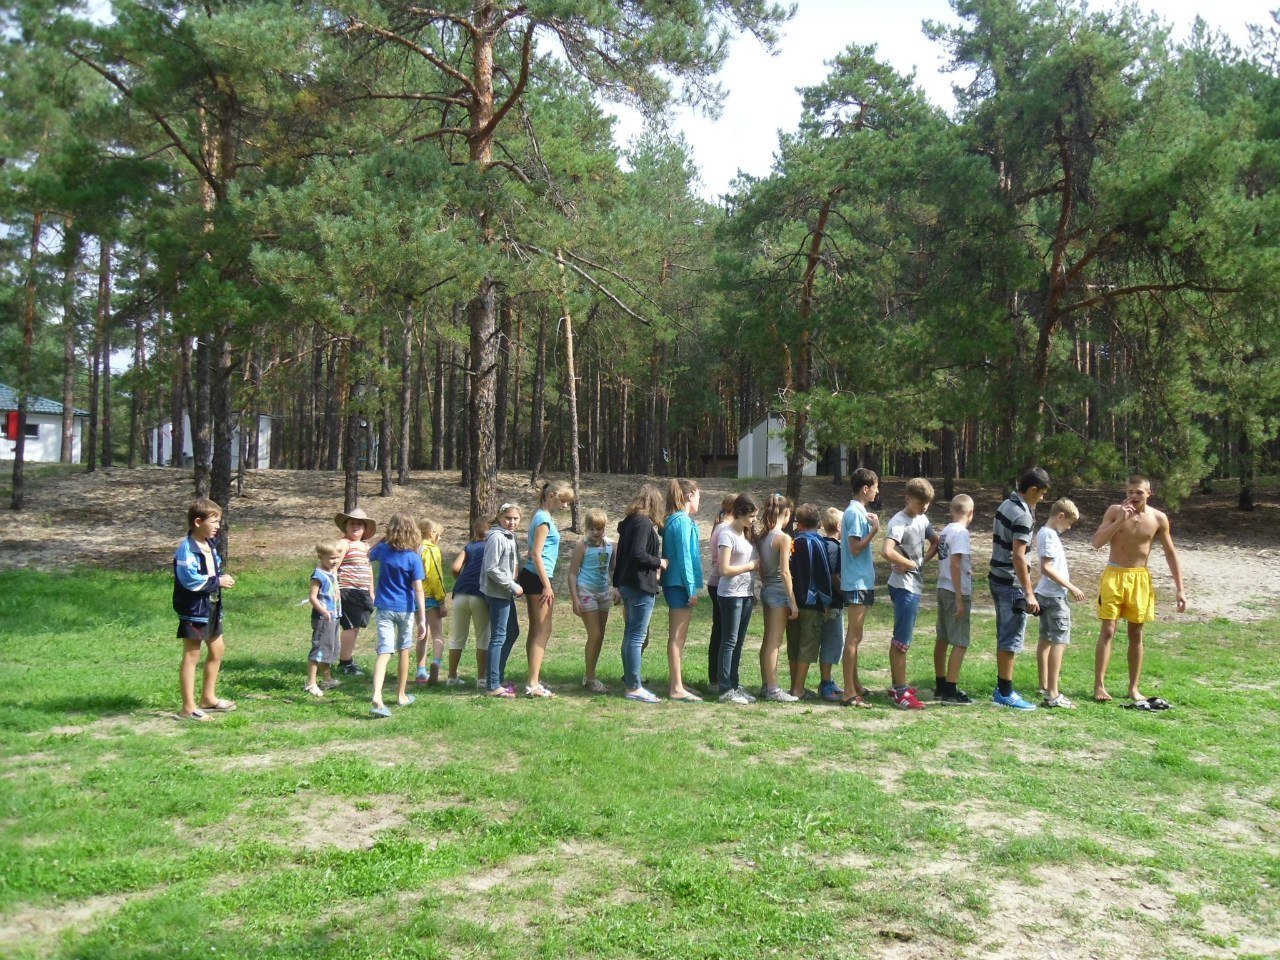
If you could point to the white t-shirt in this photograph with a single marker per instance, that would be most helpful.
(911, 534)
(740, 552)
(954, 540)
(1049, 547)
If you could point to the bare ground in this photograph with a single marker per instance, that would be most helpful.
(131, 519)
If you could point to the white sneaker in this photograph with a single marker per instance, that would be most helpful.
(594, 686)
(331, 684)
(777, 695)
(455, 682)
(734, 696)
(742, 692)
(1060, 701)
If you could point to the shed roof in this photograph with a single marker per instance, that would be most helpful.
(9, 401)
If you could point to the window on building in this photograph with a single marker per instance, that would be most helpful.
(33, 431)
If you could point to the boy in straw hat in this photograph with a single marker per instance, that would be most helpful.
(355, 582)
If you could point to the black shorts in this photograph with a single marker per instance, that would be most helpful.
(530, 582)
(357, 608)
(202, 632)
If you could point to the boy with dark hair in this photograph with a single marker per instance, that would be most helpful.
(811, 583)
(198, 582)
(1010, 580)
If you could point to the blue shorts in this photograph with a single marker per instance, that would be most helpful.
(431, 603)
(832, 637)
(395, 630)
(859, 598)
(677, 598)
(1011, 624)
(774, 595)
(906, 607)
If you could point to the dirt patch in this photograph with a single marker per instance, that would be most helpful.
(1229, 558)
(315, 821)
(386, 752)
(112, 727)
(39, 929)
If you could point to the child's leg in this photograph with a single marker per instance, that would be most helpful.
(1135, 659)
(187, 674)
(906, 605)
(940, 653)
(852, 640)
(594, 621)
(775, 625)
(713, 646)
(212, 664)
(954, 664)
(678, 632)
(1053, 665)
(898, 666)
(402, 680)
(326, 671)
(380, 675)
(535, 644)
(458, 639)
(435, 633)
(1101, 657)
(799, 677)
(1044, 671)
(347, 649)
(312, 667)
(421, 660)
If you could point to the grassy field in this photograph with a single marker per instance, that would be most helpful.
(592, 827)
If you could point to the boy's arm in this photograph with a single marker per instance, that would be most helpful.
(957, 575)
(314, 596)
(1023, 574)
(1116, 514)
(1048, 570)
(890, 553)
(459, 562)
(858, 544)
(932, 537)
(190, 576)
(1171, 557)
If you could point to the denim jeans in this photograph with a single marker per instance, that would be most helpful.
(906, 607)
(504, 630)
(735, 615)
(713, 645)
(637, 608)
(1011, 625)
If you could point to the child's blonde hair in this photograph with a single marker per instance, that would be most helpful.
(831, 518)
(430, 529)
(920, 489)
(595, 517)
(402, 532)
(647, 502)
(1067, 507)
(328, 548)
(555, 490)
(679, 492)
(962, 502)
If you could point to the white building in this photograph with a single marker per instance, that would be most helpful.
(762, 452)
(162, 443)
(44, 428)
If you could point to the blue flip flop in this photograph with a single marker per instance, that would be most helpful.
(381, 712)
(408, 699)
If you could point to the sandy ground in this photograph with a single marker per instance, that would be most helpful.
(132, 519)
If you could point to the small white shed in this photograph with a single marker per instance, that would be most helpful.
(762, 451)
(43, 428)
(162, 443)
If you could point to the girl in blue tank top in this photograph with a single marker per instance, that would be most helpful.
(590, 576)
(535, 578)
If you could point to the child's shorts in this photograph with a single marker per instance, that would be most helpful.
(953, 630)
(677, 598)
(395, 630)
(324, 639)
(1125, 593)
(202, 632)
(906, 606)
(430, 603)
(357, 606)
(804, 636)
(1055, 619)
(593, 602)
(774, 595)
(530, 582)
(832, 636)
(859, 598)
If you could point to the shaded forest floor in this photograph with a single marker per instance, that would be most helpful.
(131, 519)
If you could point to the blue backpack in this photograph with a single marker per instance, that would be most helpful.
(818, 591)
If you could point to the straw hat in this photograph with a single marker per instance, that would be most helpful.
(370, 525)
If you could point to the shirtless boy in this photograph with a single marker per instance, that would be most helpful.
(1126, 592)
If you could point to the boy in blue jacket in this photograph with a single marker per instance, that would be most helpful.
(198, 582)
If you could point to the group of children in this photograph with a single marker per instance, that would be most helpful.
(812, 569)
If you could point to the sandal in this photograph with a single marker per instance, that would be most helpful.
(1159, 703)
(501, 693)
(222, 706)
(380, 712)
(687, 698)
(539, 691)
(594, 686)
(854, 701)
(313, 689)
(197, 715)
(1138, 705)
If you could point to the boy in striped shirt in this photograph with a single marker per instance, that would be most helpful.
(1010, 580)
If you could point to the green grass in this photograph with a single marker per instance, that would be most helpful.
(591, 827)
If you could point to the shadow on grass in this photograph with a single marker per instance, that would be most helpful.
(90, 703)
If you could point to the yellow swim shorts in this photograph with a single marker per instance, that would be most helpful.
(1125, 593)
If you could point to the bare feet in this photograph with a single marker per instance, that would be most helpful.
(1134, 695)
(1100, 695)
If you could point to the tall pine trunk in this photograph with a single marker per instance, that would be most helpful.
(384, 410)
(406, 395)
(71, 251)
(201, 430)
(24, 364)
(572, 375)
(537, 417)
